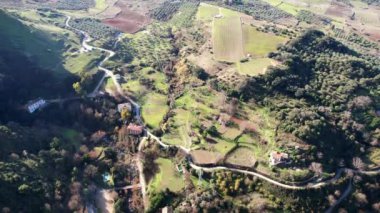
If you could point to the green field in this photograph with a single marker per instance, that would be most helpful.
(180, 135)
(241, 156)
(206, 12)
(168, 177)
(255, 66)
(80, 62)
(259, 44)
(154, 109)
(227, 39)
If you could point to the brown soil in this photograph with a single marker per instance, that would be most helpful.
(203, 157)
(128, 21)
(133, 15)
(339, 9)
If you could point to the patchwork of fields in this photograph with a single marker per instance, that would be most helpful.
(234, 40)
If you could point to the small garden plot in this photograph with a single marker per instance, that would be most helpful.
(222, 146)
(259, 44)
(154, 109)
(255, 66)
(229, 133)
(204, 157)
(167, 178)
(207, 12)
(241, 156)
(228, 39)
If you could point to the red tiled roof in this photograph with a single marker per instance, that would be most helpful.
(135, 129)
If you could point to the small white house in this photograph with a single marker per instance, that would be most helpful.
(121, 107)
(35, 105)
(276, 158)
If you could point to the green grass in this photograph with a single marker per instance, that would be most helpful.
(223, 147)
(290, 8)
(100, 4)
(82, 62)
(72, 136)
(191, 108)
(230, 13)
(37, 44)
(255, 66)
(242, 156)
(159, 79)
(168, 177)
(154, 109)
(227, 39)
(110, 85)
(206, 12)
(373, 158)
(181, 134)
(135, 88)
(259, 44)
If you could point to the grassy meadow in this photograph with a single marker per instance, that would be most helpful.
(259, 44)
(168, 177)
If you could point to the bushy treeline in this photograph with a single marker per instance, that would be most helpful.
(355, 39)
(312, 18)
(325, 94)
(372, 2)
(258, 9)
(59, 4)
(74, 4)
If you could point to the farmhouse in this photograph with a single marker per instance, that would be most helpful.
(136, 130)
(121, 107)
(36, 104)
(276, 158)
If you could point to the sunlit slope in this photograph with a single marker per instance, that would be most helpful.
(36, 45)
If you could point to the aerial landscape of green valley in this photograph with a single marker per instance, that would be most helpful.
(116, 106)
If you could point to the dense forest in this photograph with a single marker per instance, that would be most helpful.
(326, 94)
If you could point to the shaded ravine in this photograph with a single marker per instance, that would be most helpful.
(109, 73)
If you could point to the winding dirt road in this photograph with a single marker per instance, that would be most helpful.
(109, 73)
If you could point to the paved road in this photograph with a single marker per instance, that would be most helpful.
(344, 195)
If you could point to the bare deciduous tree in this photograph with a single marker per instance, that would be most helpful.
(316, 168)
(358, 163)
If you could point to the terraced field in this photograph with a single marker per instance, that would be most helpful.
(154, 109)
